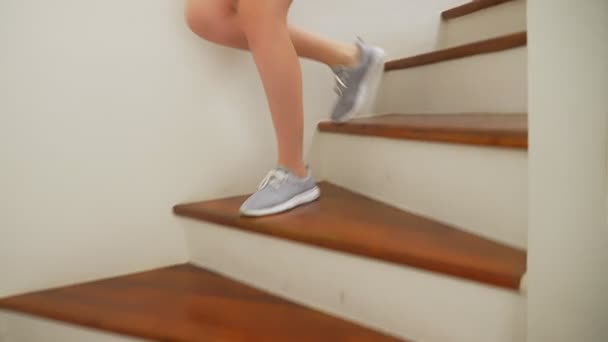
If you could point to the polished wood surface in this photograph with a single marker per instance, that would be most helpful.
(470, 7)
(187, 304)
(486, 46)
(345, 221)
(484, 129)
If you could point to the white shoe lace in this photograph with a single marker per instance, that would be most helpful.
(341, 76)
(274, 178)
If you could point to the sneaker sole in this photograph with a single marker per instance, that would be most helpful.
(376, 69)
(296, 201)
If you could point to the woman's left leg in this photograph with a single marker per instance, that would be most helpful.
(264, 23)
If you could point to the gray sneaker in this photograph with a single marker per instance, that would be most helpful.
(280, 191)
(356, 85)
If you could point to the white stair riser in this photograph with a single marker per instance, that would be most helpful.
(4, 337)
(506, 18)
(494, 82)
(25, 328)
(479, 189)
(399, 300)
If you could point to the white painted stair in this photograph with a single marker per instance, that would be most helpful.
(27, 328)
(490, 78)
(504, 18)
(491, 82)
(403, 301)
(479, 189)
(372, 264)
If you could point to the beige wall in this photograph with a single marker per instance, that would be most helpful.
(568, 231)
(111, 112)
(96, 119)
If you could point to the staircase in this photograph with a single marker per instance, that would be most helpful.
(420, 233)
(184, 303)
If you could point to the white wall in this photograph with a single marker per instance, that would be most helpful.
(568, 231)
(112, 111)
(97, 135)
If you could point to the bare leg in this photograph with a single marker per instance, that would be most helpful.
(265, 25)
(261, 26)
(218, 22)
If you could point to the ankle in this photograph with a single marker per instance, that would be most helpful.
(347, 56)
(352, 54)
(298, 169)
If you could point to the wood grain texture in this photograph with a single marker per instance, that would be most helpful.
(483, 129)
(186, 304)
(469, 8)
(345, 221)
(477, 48)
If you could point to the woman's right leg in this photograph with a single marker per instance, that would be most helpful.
(217, 21)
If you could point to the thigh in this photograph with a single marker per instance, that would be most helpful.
(204, 10)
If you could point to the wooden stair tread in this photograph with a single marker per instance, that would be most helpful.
(470, 7)
(345, 221)
(501, 43)
(486, 129)
(186, 304)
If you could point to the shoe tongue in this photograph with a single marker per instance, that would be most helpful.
(289, 173)
(359, 43)
(283, 169)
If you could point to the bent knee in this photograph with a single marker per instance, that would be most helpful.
(207, 23)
